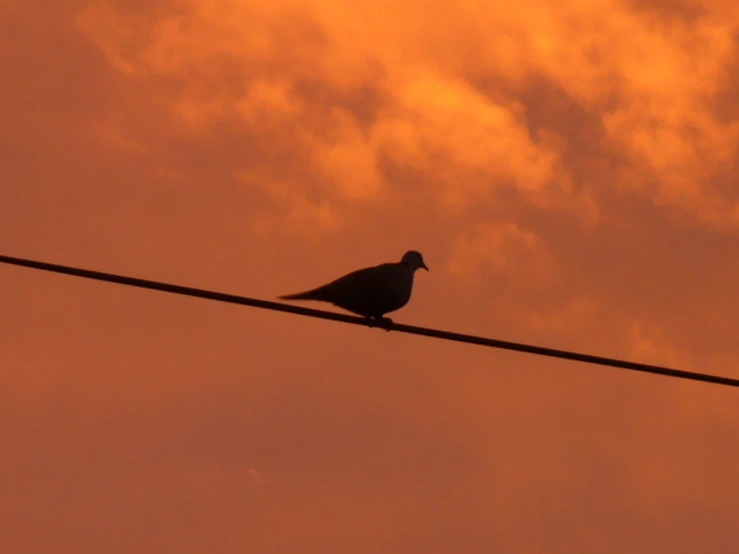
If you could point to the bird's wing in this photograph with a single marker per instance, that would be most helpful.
(356, 283)
(360, 283)
(372, 291)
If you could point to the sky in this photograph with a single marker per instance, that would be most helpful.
(569, 171)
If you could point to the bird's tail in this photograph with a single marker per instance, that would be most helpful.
(313, 294)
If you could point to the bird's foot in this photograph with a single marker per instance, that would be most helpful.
(386, 323)
(382, 322)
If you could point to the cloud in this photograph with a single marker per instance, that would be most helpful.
(502, 247)
(648, 82)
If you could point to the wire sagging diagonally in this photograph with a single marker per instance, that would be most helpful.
(397, 327)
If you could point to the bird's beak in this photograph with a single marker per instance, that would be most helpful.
(424, 267)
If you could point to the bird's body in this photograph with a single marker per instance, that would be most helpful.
(371, 292)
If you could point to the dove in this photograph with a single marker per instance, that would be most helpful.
(371, 292)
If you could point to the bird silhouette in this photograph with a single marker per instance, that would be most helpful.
(371, 292)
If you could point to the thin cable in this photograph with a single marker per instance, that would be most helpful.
(399, 327)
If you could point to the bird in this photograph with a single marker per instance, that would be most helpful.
(370, 292)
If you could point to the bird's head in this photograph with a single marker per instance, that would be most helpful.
(414, 260)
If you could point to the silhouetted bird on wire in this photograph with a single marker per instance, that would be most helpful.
(371, 292)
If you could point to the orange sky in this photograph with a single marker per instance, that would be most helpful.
(569, 171)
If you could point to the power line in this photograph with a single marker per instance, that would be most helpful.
(398, 327)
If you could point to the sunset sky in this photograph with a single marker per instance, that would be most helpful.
(570, 172)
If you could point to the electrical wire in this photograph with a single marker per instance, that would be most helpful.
(397, 327)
